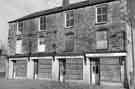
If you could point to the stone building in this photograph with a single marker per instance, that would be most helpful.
(86, 42)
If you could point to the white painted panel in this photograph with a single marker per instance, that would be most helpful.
(30, 69)
(19, 46)
(10, 70)
(105, 54)
(41, 48)
(55, 70)
(41, 45)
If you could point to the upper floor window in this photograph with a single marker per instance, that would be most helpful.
(41, 45)
(101, 40)
(101, 14)
(18, 46)
(42, 23)
(12, 29)
(20, 28)
(69, 19)
(69, 45)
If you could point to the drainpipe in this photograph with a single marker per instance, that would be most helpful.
(133, 58)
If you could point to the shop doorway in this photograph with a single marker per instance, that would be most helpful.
(35, 68)
(107, 71)
(20, 69)
(95, 71)
(62, 69)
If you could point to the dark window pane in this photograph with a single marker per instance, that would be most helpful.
(69, 18)
(99, 18)
(71, 22)
(20, 27)
(99, 11)
(104, 18)
(102, 14)
(104, 10)
(42, 23)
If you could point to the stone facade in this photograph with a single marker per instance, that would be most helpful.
(83, 41)
(83, 31)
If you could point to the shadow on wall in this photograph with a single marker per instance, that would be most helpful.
(3, 60)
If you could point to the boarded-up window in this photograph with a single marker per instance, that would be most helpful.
(101, 39)
(69, 19)
(41, 45)
(18, 46)
(101, 14)
(42, 23)
(69, 45)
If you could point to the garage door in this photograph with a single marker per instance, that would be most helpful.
(44, 68)
(21, 68)
(74, 69)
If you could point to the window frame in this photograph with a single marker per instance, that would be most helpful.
(42, 24)
(69, 19)
(107, 44)
(18, 27)
(101, 7)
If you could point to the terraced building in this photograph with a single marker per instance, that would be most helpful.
(86, 42)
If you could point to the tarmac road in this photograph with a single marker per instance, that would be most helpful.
(44, 84)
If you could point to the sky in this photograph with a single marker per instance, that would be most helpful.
(13, 9)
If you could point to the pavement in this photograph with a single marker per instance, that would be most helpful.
(44, 84)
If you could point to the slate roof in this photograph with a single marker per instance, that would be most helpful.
(62, 8)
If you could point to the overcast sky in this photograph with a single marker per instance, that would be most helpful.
(13, 9)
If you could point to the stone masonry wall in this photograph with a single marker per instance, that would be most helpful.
(85, 27)
(83, 31)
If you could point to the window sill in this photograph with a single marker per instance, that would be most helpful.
(100, 23)
(101, 49)
(68, 27)
(42, 31)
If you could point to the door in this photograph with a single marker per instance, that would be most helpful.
(35, 68)
(62, 69)
(95, 71)
(20, 68)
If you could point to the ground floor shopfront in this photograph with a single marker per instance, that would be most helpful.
(90, 68)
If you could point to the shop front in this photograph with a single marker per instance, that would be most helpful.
(20, 69)
(107, 68)
(43, 67)
(70, 68)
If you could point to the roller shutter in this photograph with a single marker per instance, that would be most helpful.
(21, 68)
(44, 68)
(110, 69)
(74, 69)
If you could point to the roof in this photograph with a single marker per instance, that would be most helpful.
(62, 8)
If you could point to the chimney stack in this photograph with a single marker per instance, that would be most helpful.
(65, 2)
